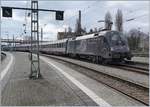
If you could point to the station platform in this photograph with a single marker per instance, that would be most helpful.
(60, 86)
(53, 89)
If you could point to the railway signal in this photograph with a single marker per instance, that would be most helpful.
(6, 12)
(59, 15)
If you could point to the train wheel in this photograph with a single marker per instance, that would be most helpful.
(95, 59)
(104, 61)
(100, 59)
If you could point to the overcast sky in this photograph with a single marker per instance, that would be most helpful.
(92, 11)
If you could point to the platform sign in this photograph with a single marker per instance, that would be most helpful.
(6, 12)
(59, 15)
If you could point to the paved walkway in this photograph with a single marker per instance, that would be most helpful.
(54, 89)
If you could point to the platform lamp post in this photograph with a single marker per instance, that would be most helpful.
(7, 40)
(15, 41)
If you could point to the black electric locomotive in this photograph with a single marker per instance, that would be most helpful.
(105, 46)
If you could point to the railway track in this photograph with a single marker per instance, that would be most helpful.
(141, 64)
(129, 88)
(133, 68)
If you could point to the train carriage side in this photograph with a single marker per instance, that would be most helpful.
(54, 47)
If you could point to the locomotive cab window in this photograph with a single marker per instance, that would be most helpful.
(116, 38)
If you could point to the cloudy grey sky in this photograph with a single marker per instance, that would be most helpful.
(92, 11)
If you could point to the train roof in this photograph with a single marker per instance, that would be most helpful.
(77, 38)
(91, 35)
(54, 42)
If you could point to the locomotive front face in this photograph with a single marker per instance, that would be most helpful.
(118, 45)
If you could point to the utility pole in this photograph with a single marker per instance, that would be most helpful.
(8, 41)
(35, 61)
(79, 22)
(41, 35)
(13, 43)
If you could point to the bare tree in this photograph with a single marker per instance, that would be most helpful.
(95, 29)
(69, 29)
(108, 21)
(91, 31)
(119, 21)
(134, 39)
(84, 30)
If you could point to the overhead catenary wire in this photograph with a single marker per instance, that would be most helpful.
(67, 20)
(84, 11)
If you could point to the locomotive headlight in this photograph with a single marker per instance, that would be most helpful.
(112, 49)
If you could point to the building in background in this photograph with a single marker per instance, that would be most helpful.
(63, 35)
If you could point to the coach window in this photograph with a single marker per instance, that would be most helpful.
(64, 44)
(61, 45)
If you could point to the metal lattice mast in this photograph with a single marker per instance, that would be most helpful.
(35, 62)
(34, 49)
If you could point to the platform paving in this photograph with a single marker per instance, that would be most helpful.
(52, 90)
